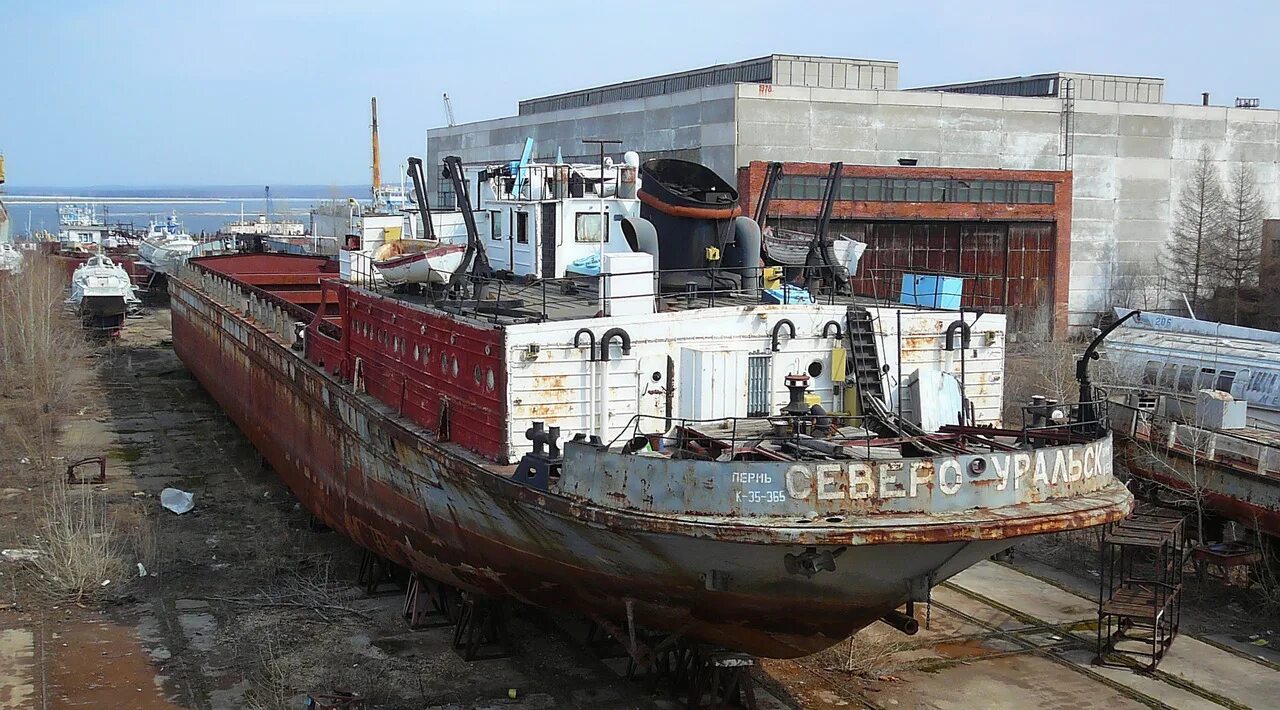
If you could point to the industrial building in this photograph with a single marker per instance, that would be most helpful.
(1125, 152)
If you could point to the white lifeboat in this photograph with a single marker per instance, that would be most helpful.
(429, 266)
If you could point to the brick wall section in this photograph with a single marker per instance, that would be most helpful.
(751, 179)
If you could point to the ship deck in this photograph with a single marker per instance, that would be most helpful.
(507, 302)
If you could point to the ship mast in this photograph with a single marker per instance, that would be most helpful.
(377, 163)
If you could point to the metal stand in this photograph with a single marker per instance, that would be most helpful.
(1140, 591)
(425, 598)
(480, 633)
(709, 676)
(723, 678)
(376, 572)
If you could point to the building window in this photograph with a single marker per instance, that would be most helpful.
(809, 187)
(445, 199)
(587, 227)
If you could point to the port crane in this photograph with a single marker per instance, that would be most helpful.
(448, 111)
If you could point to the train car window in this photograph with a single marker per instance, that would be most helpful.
(1205, 380)
(1150, 372)
(1167, 376)
(1186, 378)
(1225, 379)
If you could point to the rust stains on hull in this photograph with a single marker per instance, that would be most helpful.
(440, 510)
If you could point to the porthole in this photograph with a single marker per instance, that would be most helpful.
(455, 366)
(475, 373)
(417, 354)
(656, 376)
(444, 364)
(815, 368)
(835, 519)
(488, 379)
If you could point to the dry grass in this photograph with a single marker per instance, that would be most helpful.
(871, 654)
(81, 550)
(1039, 368)
(269, 687)
(42, 361)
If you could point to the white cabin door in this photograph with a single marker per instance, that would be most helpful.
(523, 257)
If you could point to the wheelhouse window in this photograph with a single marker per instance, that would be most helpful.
(1186, 378)
(1150, 372)
(1226, 378)
(1205, 380)
(1167, 376)
(495, 225)
(522, 227)
(587, 227)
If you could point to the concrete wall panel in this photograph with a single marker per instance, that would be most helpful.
(793, 135)
(1141, 147)
(1145, 126)
(1096, 124)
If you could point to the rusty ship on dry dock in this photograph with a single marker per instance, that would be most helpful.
(640, 425)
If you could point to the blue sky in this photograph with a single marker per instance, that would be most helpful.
(229, 92)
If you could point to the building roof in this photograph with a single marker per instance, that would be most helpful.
(779, 69)
(1097, 87)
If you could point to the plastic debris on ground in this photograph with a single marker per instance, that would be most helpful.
(19, 555)
(177, 501)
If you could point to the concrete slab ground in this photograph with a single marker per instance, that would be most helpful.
(17, 669)
(1154, 688)
(1008, 683)
(1030, 596)
(1223, 673)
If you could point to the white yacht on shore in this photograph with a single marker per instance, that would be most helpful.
(102, 293)
(166, 245)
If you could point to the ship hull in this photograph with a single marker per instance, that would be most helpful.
(436, 509)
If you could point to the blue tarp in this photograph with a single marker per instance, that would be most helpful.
(787, 294)
(587, 265)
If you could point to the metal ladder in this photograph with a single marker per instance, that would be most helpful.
(864, 359)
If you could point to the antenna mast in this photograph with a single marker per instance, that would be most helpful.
(377, 162)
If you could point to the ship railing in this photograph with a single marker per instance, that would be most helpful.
(904, 286)
(787, 437)
(540, 182)
(1255, 449)
(1051, 420)
(503, 296)
(781, 437)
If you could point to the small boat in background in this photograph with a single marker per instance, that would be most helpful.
(165, 245)
(10, 259)
(102, 293)
(434, 265)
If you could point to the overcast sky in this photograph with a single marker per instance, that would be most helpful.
(227, 92)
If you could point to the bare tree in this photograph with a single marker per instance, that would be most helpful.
(1132, 287)
(1198, 228)
(1240, 254)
